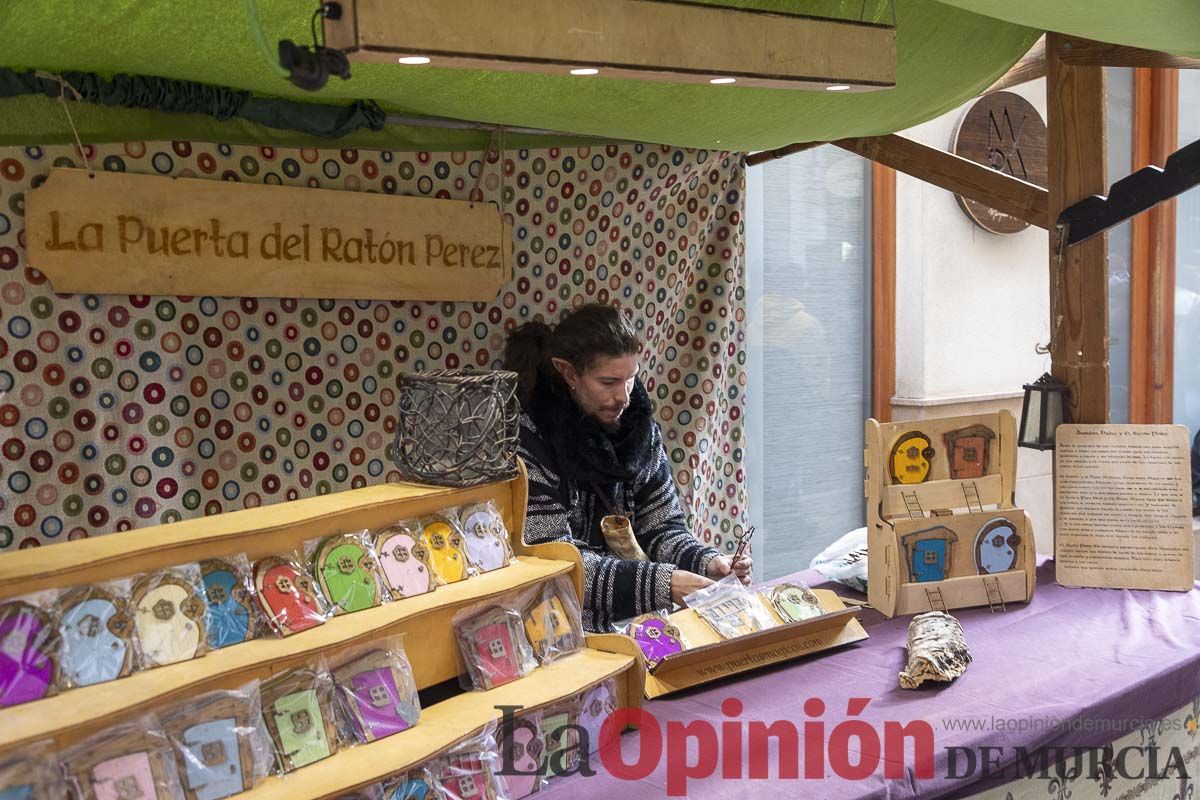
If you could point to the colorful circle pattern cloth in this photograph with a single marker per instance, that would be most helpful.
(126, 411)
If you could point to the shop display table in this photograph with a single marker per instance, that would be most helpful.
(1072, 668)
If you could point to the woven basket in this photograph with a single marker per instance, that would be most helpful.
(457, 427)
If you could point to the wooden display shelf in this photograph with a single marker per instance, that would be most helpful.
(257, 532)
(447, 723)
(77, 713)
(710, 657)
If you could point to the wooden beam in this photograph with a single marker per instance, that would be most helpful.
(1078, 52)
(1152, 279)
(1002, 192)
(1076, 145)
(1031, 67)
(883, 291)
(682, 42)
(754, 159)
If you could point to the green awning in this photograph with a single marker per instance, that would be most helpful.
(947, 53)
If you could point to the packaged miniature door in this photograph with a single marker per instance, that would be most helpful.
(168, 617)
(213, 765)
(227, 592)
(445, 543)
(404, 560)
(287, 595)
(29, 650)
(345, 569)
(486, 537)
(378, 692)
(95, 630)
(297, 709)
(595, 706)
(132, 760)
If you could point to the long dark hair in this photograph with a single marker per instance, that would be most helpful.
(583, 335)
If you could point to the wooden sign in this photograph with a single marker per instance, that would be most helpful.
(119, 233)
(677, 42)
(1002, 130)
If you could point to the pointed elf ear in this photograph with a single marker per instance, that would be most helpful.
(566, 370)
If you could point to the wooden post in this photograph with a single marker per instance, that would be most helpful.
(883, 291)
(1152, 289)
(1076, 147)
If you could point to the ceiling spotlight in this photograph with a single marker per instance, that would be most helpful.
(841, 87)
(585, 71)
(723, 80)
(414, 59)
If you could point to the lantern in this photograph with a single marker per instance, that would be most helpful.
(1044, 409)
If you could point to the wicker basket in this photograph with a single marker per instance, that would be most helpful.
(457, 427)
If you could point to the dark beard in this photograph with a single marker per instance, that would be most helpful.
(585, 448)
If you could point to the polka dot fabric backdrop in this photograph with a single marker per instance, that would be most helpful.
(125, 411)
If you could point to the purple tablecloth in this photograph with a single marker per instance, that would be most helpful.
(1072, 668)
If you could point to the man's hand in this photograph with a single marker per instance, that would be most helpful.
(721, 566)
(684, 583)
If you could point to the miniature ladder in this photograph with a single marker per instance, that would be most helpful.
(913, 505)
(995, 599)
(934, 596)
(972, 494)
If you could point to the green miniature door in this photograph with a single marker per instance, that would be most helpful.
(347, 577)
(301, 728)
(561, 739)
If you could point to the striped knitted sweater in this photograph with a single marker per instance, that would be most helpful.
(570, 459)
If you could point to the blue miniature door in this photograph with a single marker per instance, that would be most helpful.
(929, 560)
(213, 759)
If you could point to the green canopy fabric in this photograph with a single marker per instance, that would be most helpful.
(947, 52)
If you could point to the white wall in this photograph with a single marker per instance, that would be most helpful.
(970, 307)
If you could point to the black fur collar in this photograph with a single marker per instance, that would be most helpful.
(584, 450)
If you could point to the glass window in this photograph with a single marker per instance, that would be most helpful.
(1187, 268)
(807, 265)
(1120, 239)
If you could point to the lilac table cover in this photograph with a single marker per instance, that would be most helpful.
(1105, 659)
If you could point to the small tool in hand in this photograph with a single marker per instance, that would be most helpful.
(743, 540)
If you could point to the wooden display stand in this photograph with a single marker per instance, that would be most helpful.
(431, 647)
(964, 497)
(710, 657)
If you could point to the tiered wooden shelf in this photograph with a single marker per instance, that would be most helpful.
(426, 621)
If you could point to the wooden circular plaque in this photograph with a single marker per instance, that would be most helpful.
(1003, 131)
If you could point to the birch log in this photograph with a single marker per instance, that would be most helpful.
(937, 650)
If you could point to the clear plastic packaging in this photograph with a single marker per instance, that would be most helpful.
(491, 640)
(233, 617)
(297, 707)
(416, 784)
(168, 616)
(552, 619)
(560, 727)
(288, 597)
(376, 692)
(596, 703)
(404, 560)
(730, 608)
(130, 760)
(522, 753)
(96, 633)
(29, 648)
(32, 772)
(444, 538)
(486, 537)
(471, 770)
(792, 601)
(221, 745)
(345, 569)
(657, 637)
